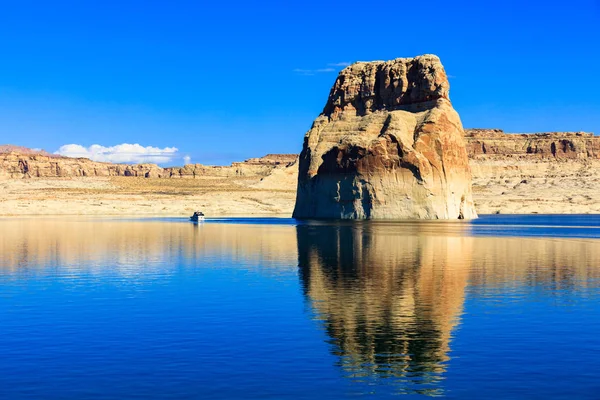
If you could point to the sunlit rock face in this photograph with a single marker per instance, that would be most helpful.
(388, 145)
(21, 162)
(494, 144)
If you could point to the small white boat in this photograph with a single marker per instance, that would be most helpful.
(198, 216)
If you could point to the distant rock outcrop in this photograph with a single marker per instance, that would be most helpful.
(388, 145)
(558, 145)
(21, 162)
(251, 167)
(9, 148)
(546, 173)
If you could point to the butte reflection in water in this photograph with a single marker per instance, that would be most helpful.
(388, 295)
(391, 295)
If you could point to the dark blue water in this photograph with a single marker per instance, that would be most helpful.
(505, 307)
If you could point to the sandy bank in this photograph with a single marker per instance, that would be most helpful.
(130, 196)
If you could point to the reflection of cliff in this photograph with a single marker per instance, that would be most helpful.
(129, 245)
(550, 263)
(389, 297)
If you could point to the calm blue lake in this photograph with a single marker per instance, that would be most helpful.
(504, 307)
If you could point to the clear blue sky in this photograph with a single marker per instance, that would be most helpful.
(218, 81)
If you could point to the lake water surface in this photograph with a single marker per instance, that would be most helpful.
(505, 307)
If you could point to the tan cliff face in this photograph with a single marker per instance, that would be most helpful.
(18, 165)
(388, 145)
(551, 172)
(20, 162)
(488, 143)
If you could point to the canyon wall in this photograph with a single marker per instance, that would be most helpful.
(546, 145)
(20, 162)
(517, 173)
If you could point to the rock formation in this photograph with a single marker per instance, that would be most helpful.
(31, 165)
(550, 145)
(20, 162)
(388, 145)
(252, 167)
(548, 173)
(8, 148)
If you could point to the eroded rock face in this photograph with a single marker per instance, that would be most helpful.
(20, 162)
(546, 145)
(544, 173)
(32, 165)
(388, 145)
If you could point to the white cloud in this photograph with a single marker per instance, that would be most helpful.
(304, 71)
(121, 153)
(187, 160)
(310, 72)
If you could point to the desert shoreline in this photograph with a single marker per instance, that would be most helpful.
(510, 174)
(125, 197)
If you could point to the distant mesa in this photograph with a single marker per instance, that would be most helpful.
(486, 143)
(9, 148)
(388, 145)
(21, 162)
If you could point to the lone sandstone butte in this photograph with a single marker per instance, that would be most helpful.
(388, 145)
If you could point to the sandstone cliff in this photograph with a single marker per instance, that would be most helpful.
(388, 145)
(20, 162)
(8, 148)
(252, 167)
(551, 172)
(19, 165)
(545, 145)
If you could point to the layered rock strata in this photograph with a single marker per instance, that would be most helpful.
(16, 162)
(388, 145)
(251, 167)
(552, 172)
(482, 143)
